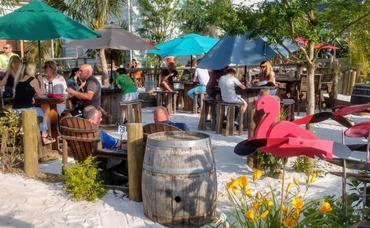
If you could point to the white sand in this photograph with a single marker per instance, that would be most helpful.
(27, 203)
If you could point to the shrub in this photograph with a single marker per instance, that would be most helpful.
(10, 141)
(82, 180)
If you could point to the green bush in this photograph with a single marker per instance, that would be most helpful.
(11, 155)
(82, 181)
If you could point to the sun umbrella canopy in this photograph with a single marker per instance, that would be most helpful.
(191, 44)
(39, 21)
(113, 37)
(238, 50)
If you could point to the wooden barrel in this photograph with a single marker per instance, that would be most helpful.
(360, 94)
(179, 182)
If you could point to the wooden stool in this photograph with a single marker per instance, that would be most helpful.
(229, 118)
(180, 99)
(169, 98)
(208, 108)
(195, 101)
(287, 107)
(133, 110)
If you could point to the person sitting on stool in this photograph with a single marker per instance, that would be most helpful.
(202, 76)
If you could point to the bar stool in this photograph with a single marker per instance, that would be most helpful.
(180, 99)
(287, 106)
(133, 110)
(195, 101)
(169, 99)
(208, 108)
(230, 107)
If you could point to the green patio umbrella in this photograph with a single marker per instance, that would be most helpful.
(39, 21)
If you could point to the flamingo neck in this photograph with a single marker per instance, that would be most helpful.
(265, 124)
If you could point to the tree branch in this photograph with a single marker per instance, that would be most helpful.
(350, 24)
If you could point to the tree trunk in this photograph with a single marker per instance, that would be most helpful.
(336, 71)
(103, 61)
(311, 65)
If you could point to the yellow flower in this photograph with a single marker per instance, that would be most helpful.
(296, 181)
(270, 203)
(258, 195)
(242, 181)
(233, 185)
(264, 214)
(255, 205)
(288, 188)
(249, 214)
(247, 192)
(284, 209)
(297, 203)
(257, 174)
(325, 208)
(313, 178)
(288, 223)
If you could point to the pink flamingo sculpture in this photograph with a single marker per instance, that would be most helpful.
(286, 138)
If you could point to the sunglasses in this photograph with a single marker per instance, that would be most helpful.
(262, 66)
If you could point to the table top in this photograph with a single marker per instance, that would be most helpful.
(41, 100)
(286, 79)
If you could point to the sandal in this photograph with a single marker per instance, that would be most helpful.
(48, 140)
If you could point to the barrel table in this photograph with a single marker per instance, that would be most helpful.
(179, 184)
(360, 94)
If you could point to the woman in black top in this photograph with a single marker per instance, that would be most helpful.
(14, 68)
(26, 88)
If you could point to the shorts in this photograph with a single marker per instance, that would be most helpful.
(129, 96)
(237, 99)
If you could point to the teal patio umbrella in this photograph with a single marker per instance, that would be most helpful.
(191, 44)
(39, 21)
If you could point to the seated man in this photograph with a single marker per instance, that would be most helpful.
(94, 116)
(161, 115)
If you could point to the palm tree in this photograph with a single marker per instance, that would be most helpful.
(7, 4)
(94, 13)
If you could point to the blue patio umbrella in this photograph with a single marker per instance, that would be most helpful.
(238, 50)
(191, 44)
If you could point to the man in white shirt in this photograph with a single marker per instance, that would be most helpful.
(227, 85)
(59, 84)
(202, 76)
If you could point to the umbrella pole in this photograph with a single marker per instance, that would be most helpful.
(39, 47)
(111, 67)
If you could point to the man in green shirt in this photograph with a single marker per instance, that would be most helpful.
(4, 58)
(128, 88)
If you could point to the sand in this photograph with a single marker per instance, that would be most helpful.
(30, 203)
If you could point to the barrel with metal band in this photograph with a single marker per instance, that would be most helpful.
(179, 182)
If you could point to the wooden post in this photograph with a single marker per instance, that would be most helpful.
(335, 70)
(353, 81)
(135, 158)
(251, 127)
(30, 129)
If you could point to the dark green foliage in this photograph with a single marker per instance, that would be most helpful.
(158, 17)
(10, 141)
(340, 216)
(82, 181)
(356, 189)
(271, 165)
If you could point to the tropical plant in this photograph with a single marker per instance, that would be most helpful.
(94, 13)
(204, 17)
(10, 141)
(7, 4)
(82, 180)
(158, 19)
(291, 209)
